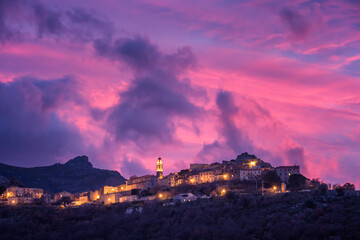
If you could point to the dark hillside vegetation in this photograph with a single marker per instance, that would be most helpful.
(286, 216)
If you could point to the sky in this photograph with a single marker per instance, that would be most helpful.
(124, 82)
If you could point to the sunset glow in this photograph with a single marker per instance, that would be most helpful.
(125, 82)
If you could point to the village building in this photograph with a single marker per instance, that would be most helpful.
(159, 168)
(206, 176)
(143, 183)
(250, 174)
(60, 195)
(284, 172)
(109, 189)
(165, 181)
(94, 195)
(194, 166)
(80, 198)
(22, 195)
(121, 188)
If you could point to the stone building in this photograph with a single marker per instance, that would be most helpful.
(143, 183)
(22, 195)
(60, 195)
(284, 172)
(250, 174)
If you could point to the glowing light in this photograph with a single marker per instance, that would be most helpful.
(97, 196)
(274, 187)
(13, 201)
(252, 164)
(225, 176)
(109, 199)
(192, 180)
(223, 191)
(289, 174)
(160, 195)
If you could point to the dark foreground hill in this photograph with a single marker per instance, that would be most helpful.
(289, 216)
(77, 175)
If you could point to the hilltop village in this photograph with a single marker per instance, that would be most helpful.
(245, 168)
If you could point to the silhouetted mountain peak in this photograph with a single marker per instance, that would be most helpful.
(77, 175)
(79, 162)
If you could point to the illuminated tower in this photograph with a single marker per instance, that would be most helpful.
(159, 168)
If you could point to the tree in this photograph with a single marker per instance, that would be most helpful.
(339, 191)
(297, 182)
(349, 186)
(64, 201)
(323, 189)
(315, 183)
(270, 179)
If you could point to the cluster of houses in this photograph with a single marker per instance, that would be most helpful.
(244, 168)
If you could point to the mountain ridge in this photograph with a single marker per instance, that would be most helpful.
(76, 175)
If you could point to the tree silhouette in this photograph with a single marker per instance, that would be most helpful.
(349, 186)
(297, 182)
(270, 179)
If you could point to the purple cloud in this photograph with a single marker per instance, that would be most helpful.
(236, 139)
(297, 24)
(20, 19)
(146, 110)
(31, 131)
(132, 167)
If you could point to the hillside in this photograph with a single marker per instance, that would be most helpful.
(287, 216)
(76, 175)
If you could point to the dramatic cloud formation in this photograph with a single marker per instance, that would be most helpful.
(21, 19)
(146, 110)
(31, 130)
(279, 79)
(236, 139)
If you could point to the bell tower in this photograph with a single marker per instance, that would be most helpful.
(159, 168)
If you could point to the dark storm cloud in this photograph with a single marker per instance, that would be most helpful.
(298, 25)
(236, 138)
(142, 56)
(56, 93)
(30, 129)
(47, 20)
(156, 96)
(19, 19)
(7, 7)
(87, 26)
